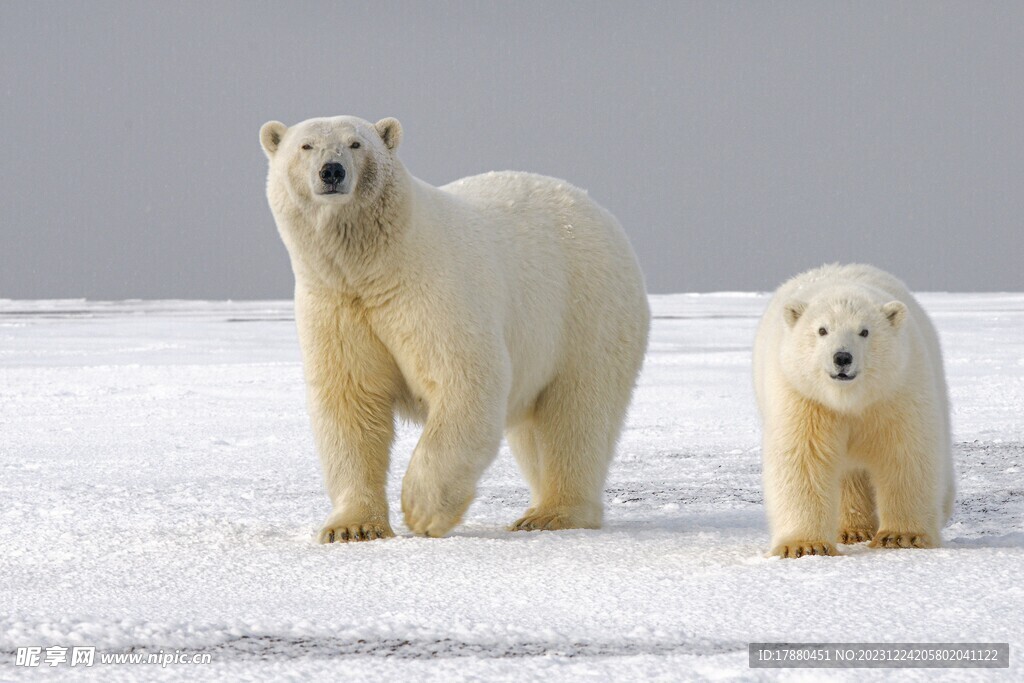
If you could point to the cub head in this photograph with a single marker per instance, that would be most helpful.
(844, 351)
(330, 161)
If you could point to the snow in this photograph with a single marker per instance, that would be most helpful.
(160, 490)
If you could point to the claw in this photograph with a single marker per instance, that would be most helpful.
(345, 533)
(798, 549)
(890, 539)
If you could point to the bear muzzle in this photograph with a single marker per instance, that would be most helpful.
(332, 178)
(843, 362)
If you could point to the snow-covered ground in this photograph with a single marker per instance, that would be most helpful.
(159, 490)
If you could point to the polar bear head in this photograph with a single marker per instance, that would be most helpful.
(330, 161)
(844, 349)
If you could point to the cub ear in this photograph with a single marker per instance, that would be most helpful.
(793, 311)
(895, 312)
(270, 137)
(390, 131)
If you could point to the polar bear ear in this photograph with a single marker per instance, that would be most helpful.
(270, 137)
(390, 131)
(793, 311)
(895, 312)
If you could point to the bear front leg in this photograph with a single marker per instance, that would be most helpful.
(803, 502)
(801, 481)
(460, 439)
(908, 506)
(351, 383)
(904, 469)
(354, 453)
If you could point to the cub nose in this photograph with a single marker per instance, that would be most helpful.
(842, 359)
(332, 173)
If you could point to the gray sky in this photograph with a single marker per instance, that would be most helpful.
(738, 143)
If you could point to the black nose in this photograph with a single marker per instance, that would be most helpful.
(842, 359)
(332, 173)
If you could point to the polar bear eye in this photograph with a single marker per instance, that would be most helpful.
(307, 146)
(355, 145)
(863, 333)
(822, 331)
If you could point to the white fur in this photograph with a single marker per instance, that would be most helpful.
(505, 302)
(867, 458)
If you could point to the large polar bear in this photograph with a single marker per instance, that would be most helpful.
(501, 302)
(851, 389)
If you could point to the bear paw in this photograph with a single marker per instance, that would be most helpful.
(424, 516)
(855, 535)
(552, 520)
(804, 548)
(343, 529)
(902, 539)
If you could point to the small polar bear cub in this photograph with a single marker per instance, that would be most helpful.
(852, 394)
(503, 302)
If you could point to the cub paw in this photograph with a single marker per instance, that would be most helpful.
(855, 535)
(804, 548)
(902, 539)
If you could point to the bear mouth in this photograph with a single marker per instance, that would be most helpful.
(844, 377)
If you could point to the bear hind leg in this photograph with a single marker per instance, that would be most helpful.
(523, 440)
(566, 453)
(859, 519)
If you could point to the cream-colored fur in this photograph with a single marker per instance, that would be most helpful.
(505, 302)
(861, 452)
